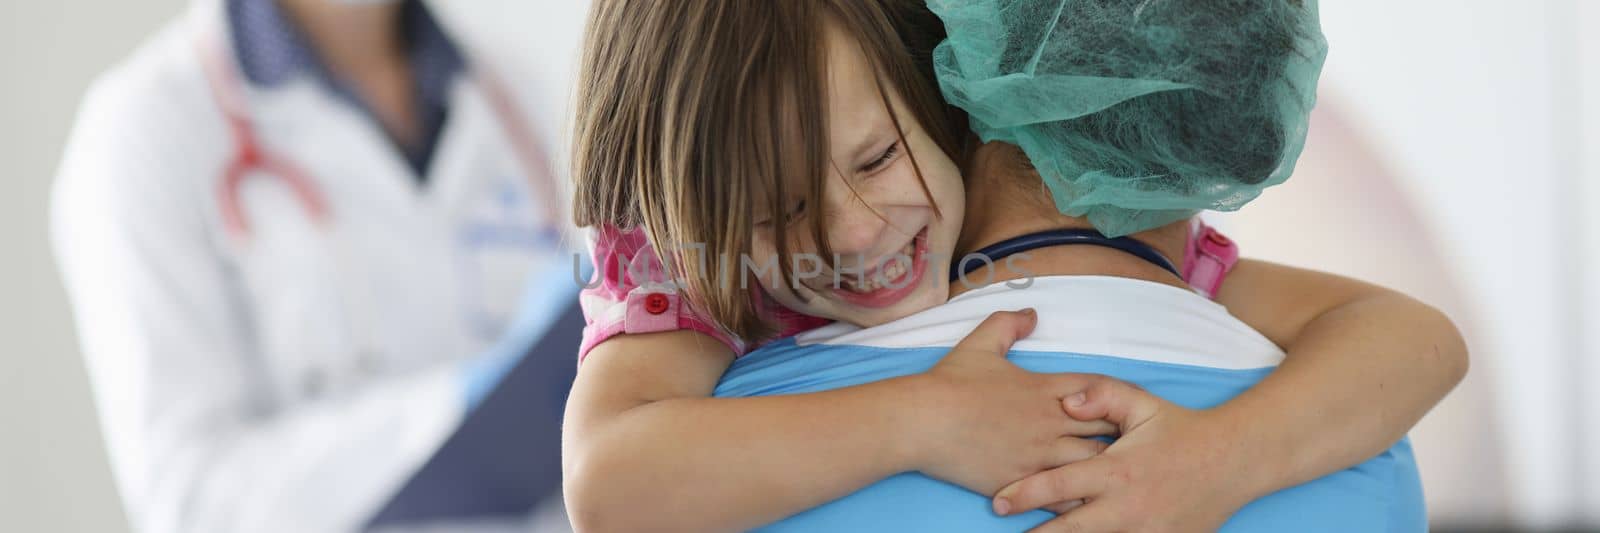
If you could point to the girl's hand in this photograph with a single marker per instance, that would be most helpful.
(992, 422)
(1173, 469)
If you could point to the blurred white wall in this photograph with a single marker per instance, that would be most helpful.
(1585, 200)
(1454, 157)
(1476, 104)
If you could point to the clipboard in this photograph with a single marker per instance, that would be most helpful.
(505, 458)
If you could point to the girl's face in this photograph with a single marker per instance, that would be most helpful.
(891, 246)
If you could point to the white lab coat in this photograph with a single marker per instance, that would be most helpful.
(294, 381)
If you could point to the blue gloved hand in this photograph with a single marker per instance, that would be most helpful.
(483, 373)
(546, 294)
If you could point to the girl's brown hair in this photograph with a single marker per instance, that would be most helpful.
(691, 111)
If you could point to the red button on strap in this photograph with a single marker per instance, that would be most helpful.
(656, 304)
(1217, 238)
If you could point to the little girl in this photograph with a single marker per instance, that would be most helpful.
(734, 125)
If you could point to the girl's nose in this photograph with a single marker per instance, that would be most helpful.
(854, 230)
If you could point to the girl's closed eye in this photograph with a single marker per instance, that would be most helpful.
(888, 156)
(796, 212)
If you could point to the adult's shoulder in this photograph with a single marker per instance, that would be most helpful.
(148, 138)
(158, 84)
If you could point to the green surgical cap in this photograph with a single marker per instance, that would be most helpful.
(1138, 113)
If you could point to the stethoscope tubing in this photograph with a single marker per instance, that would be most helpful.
(250, 155)
(1058, 237)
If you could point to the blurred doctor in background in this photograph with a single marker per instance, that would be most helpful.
(293, 232)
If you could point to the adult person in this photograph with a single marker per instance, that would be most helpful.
(293, 232)
(1133, 147)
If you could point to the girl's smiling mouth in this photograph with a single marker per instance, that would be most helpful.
(890, 280)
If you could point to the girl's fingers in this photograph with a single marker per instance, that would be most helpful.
(998, 332)
(1081, 480)
(1113, 401)
(1095, 517)
(1091, 428)
(1064, 507)
(1072, 449)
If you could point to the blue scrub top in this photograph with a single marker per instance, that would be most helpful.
(1381, 494)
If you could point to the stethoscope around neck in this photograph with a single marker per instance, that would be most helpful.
(996, 252)
(251, 158)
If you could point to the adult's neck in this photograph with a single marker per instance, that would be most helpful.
(1006, 199)
(361, 45)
